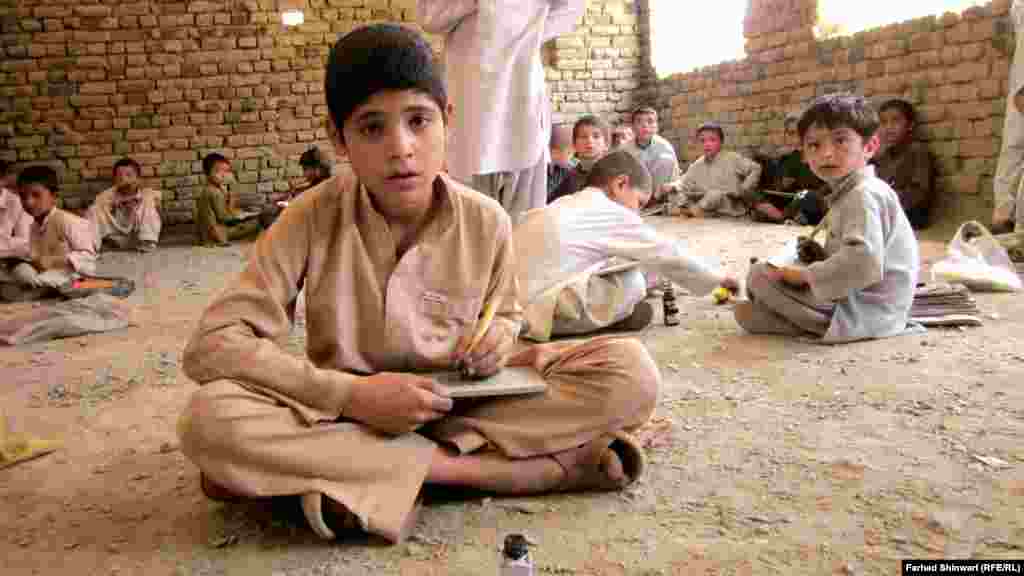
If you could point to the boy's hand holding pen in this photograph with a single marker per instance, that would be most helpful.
(481, 352)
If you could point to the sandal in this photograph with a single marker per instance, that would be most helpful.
(585, 472)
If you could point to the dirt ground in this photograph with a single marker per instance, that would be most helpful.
(767, 455)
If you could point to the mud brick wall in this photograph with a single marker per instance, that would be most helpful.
(84, 83)
(598, 68)
(954, 68)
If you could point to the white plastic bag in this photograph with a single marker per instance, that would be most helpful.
(976, 259)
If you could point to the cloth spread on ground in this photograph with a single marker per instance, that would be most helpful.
(49, 321)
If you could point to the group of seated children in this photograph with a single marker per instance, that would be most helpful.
(43, 247)
(724, 182)
(572, 161)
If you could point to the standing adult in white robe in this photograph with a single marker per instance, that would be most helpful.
(1009, 203)
(502, 122)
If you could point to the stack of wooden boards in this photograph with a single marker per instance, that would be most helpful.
(945, 305)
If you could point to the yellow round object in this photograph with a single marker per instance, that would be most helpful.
(721, 295)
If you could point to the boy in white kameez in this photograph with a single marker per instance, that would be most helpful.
(397, 262)
(127, 215)
(865, 286)
(562, 247)
(61, 246)
(492, 54)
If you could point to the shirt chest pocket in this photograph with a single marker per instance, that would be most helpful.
(442, 317)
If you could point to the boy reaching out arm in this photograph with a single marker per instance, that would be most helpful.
(865, 286)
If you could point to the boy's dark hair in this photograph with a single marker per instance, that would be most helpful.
(4, 167)
(642, 110)
(377, 58)
(593, 122)
(712, 127)
(618, 163)
(905, 108)
(127, 162)
(840, 110)
(211, 160)
(40, 174)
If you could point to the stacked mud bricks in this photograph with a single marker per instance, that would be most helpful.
(954, 68)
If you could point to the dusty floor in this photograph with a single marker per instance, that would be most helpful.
(767, 455)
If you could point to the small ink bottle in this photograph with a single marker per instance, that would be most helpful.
(668, 300)
(515, 557)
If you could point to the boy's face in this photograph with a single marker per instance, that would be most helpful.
(792, 139)
(710, 143)
(589, 142)
(396, 142)
(645, 126)
(220, 174)
(126, 178)
(833, 154)
(621, 136)
(895, 127)
(37, 199)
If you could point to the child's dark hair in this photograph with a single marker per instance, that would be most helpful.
(127, 162)
(904, 107)
(4, 167)
(840, 110)
(377, 58)
(211, 160)
(642, 110)
(712, 127)
(40, 174)
(593, 122)
(618, 163)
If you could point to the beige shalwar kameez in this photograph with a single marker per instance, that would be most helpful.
(661, 160)
(61, 248)
(268, 423)
(722, 185)
(126, 218)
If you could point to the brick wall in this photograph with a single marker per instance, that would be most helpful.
(954, 68)
(598, 68)
(84, 83)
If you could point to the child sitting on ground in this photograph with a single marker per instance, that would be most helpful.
(904, 164)
(562, 162)
(590, 142)
(657, 153)
(61, 246)
(217, 217)
(719, 182)
(793, 176)
(865, 285)
(127, 214)
(562, 248)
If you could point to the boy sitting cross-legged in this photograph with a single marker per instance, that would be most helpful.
(398, 263)
(61, 246)
(865, 285)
